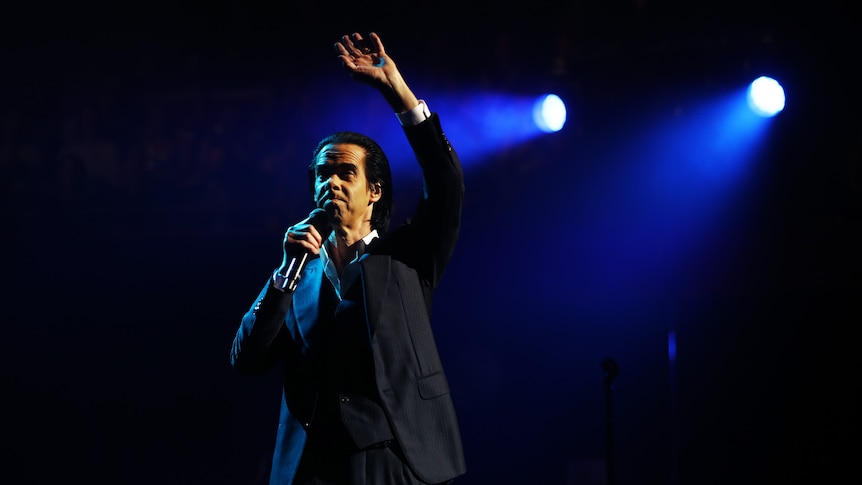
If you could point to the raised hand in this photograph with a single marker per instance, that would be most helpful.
(366, 61)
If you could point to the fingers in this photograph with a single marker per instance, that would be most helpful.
(378, 44)
(342, 49)
(354, 45)
(347, 52)
(358, 46)
(364, 58)
(305, 236)
(347, 47)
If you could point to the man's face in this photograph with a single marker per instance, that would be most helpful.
(341, 186)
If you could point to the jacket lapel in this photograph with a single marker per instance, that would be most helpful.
(375, 276)
(306, 303)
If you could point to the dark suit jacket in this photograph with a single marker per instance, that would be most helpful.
(398, 273)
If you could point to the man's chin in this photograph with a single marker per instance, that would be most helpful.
(332, 211)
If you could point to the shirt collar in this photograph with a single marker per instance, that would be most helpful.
(329, 267)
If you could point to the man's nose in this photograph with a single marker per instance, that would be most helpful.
(328, 185)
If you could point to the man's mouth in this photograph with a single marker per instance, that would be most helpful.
(326, 201)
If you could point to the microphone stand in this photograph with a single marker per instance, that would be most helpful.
(611, 371)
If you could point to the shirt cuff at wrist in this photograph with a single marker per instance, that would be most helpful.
(414, 116)
(279, 281)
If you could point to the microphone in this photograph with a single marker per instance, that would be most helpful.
(320, 221)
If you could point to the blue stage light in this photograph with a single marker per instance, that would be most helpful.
(766, 97)
(549, 113)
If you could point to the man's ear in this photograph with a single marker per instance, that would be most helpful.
(376, 192)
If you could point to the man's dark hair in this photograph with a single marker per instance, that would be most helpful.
(377, 171)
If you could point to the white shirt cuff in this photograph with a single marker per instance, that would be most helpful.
(414, 116)
(279, 280)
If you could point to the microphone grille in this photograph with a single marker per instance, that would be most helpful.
(320, 221)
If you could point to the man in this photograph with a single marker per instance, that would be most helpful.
(365, 398)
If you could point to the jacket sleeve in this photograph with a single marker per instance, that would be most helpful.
(262, 339)
(436, 222)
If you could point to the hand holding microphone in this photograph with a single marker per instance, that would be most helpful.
(300, 242)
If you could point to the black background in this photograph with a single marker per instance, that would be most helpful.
(145, 193)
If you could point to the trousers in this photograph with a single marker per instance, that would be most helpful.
(380, 464)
